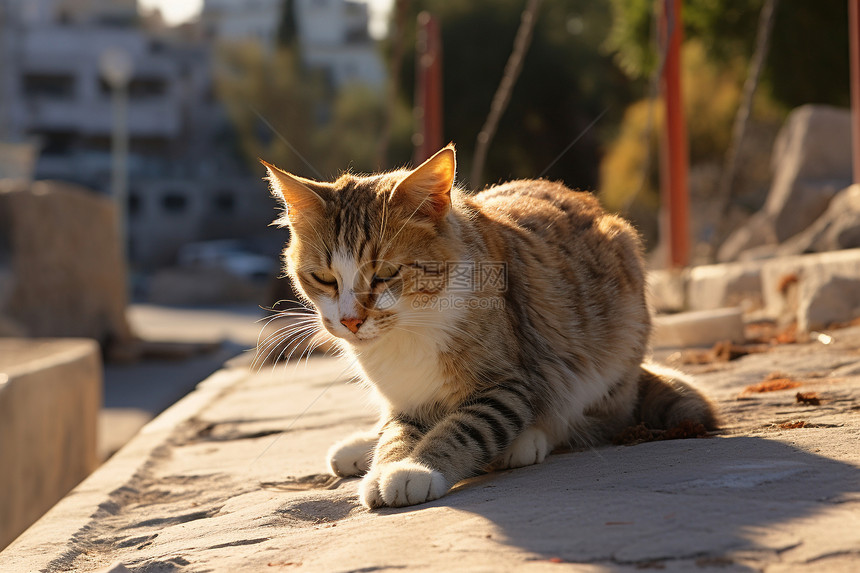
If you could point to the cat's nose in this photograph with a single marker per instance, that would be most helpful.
(353, 324)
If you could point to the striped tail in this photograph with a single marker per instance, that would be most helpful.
(666, 400)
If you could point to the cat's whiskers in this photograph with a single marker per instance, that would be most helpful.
(266, 354)
(291, 346)
(308, 334)
(274, 340)
(293, 323)
(312, 347)
(298, 311)
(301, 306)
(282, 314)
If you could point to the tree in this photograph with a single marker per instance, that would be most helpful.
(807, 62)
(566, 82)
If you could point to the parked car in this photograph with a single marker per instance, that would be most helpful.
(229, 255)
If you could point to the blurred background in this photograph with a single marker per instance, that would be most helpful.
(132, 206)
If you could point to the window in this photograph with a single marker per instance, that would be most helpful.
(225, 202)
(174, 202)
(48, 85)
(134, 204)
(57, 142)
(144, 87)
(140, 87)
(149, 145)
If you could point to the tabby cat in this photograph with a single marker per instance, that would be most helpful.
(491, 327)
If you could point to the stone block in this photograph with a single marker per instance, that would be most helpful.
(838, 228)
(667, 290)
(698, 328)
(67, 269)
(710, 287)
(792, 287)
(757, 231)
(825, 300)
(50, 395)
(811, 163)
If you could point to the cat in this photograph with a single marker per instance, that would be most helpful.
(492, 328)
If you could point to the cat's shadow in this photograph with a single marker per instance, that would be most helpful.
(703, 500)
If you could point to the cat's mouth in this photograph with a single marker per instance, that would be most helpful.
(355, 339)
(361, 339)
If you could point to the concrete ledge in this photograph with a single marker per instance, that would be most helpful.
(700, 328)
(50, 395)
(815, 290)
(47, 539)
(228, 480)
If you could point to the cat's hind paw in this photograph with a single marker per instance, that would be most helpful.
(400, 484)
(531, 447)
(352, 456)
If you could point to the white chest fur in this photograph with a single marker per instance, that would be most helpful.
(405, 369)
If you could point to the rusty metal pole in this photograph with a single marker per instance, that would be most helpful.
(674, 150)
(428, 90)
(854, 36)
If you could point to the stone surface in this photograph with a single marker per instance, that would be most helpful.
(719, 286)
(837, 228)
(698, 328)
(666, 290)
(813, 290)
(811, 163)
(228, 480)
(801, 288)
(69, 274)
(755, 232)
(50, 395)
(826, 300)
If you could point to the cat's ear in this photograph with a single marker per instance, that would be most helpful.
(296, 193)
(427, 190)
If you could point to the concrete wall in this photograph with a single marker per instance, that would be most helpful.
(50, 395)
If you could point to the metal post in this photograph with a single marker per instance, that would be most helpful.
(119, 161)
(674, 141)
(116, 67)
(428, 93)
(854, 36)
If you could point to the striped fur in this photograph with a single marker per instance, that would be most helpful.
(491, 374)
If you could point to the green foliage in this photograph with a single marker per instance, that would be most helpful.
(254, 85)
(277, 108)
(566, 82)
(630, 37)
(808, 58)
(350, 135)
(726, 28)
(711, 96)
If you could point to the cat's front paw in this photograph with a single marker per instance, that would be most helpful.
(352, 456)
(368, 490)
(530, 447)
(401, 483)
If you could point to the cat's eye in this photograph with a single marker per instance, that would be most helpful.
(386, 272)
(324, 278)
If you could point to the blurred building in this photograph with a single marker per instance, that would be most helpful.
(254, 20)
(332, 35)
(185, 181)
